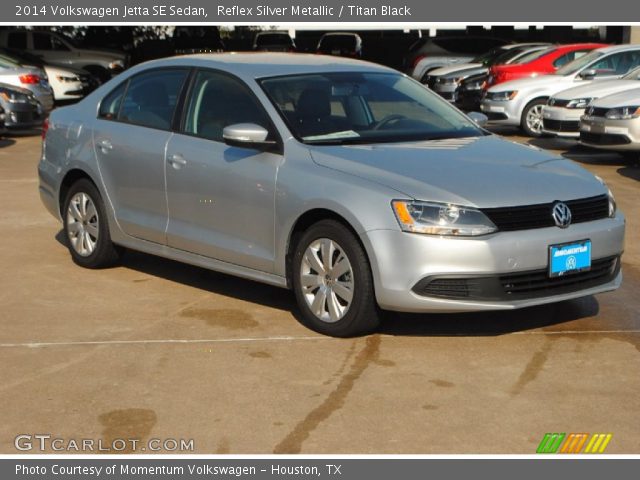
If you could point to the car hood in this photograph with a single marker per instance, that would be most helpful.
(458, 67)
(540, 81)
(598, 89)
(476, 171)
(627, 98)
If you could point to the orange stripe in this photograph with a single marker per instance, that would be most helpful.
(566, 448)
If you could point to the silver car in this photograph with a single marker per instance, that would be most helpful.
(348, 182)
(613, 123)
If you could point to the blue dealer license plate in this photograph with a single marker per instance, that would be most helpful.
(569, 258)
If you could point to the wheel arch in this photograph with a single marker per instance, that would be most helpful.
(71, 177)
(306, 220)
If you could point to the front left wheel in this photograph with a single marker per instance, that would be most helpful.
(332, 281)
(85, 227)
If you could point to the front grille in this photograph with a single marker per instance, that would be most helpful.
(604, 138)
(518, 286)
(539, 216)
(561, 125)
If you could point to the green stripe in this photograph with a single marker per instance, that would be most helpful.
(550, 443)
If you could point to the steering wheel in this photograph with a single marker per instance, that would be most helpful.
(394, 117)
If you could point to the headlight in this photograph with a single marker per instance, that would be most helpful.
(441, 219)
(612, 201)
(579, 103)
(116, 64)
(13, 97)
(504, 96)
(68, 78)
(623, 113)
(449, 80)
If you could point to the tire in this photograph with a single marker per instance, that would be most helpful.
(344, 306)
(85, 227)
(531, 120)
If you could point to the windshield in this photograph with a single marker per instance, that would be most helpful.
(487, 57)
(333, 42)
(349, 108)
(579, 63)
(531, 56)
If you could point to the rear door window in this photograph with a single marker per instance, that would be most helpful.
(151, 98)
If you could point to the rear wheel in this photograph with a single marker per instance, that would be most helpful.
(531, 120)
(332, 281)
(85, 226)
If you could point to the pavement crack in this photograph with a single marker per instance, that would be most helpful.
(292, 443)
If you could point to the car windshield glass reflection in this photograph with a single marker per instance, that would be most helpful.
(349, 108)
(572, 67)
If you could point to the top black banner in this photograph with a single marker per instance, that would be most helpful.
(301, 11)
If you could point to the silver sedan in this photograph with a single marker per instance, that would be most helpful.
(347, 182)
(613, 122)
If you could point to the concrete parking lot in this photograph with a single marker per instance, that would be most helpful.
(157, 349)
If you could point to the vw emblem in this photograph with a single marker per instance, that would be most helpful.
(561, 215)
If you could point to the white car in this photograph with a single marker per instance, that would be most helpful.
(31, 78)
(561, 115)
(520, 102)
(613, 123)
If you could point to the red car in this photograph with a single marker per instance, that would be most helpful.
(539, 62)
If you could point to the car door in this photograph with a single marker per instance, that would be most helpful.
(221, 197)
(130, 138)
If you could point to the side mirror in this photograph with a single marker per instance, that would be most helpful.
(588, 74)
(480, 119)
(247, 135)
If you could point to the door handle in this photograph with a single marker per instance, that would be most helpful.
(177, 161)
(105, 146)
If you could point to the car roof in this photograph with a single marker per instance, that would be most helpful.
(267, 64)
(619, 48)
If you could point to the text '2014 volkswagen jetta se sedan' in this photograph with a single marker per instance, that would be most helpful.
(345, 181)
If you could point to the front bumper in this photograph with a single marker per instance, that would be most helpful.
(400, 261)
(600, 132)
(501, 112)
(562, 122)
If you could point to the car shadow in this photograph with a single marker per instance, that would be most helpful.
(6, 142)
(492, 323)
(632, 172)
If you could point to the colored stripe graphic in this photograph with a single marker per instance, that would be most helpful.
(550, 443)
(598, 443)
(574, 442)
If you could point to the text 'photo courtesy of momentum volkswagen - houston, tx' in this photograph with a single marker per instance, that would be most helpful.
(345, 181)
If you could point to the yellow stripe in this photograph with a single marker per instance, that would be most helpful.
(607, 439)
(590, 444)
(598, 442)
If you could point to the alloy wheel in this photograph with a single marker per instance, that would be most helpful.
(326, 278)
(83, 224)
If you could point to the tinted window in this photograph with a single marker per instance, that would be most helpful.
(217, 101)
(111, 103)
(337, 42)
(568, 57)
(273, 39)
(17, 40)
(152, 97)
(617, 64)
(42, 41)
